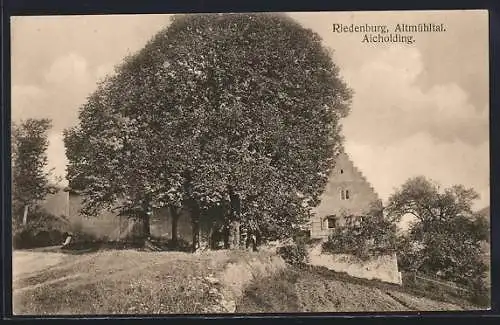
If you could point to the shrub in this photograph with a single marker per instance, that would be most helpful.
(302, 237)
(294, 254)
(29, 237)
(43, 230)
(444, 248)
(372, 236)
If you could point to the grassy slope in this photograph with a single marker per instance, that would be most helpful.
(312, 291)
(132, 282)
(120, 282)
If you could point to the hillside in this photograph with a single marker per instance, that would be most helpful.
(294, 290)
(132, 282)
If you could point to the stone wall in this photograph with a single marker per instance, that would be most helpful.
(384, 268)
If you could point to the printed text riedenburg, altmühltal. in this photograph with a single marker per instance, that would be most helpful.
(398, 28)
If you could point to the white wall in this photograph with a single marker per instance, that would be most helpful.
(384, 268)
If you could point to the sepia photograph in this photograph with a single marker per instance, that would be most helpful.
(248, 163)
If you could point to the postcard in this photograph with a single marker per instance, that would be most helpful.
(250, 163)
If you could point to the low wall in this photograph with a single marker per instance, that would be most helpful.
(384, 268)
(251, 267)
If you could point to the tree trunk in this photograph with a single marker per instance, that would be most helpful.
(175, 219)
(226, 237)
(196, 232)
(146, 227)
(25, 215)
(234, 235)
(244, 237)
(234, 228)
(146, 231)
(211, 238)
(195, 223)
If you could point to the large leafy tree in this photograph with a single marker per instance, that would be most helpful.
(229, 110)
(30, 176)
(266, 100)
(118, 160)
(446, 236)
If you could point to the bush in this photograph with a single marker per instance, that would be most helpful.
(294, 254)
(302, 237)
(42, 230)
(448, 249)
(374, 235)
(29, 236)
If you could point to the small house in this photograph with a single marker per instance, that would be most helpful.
(347, 198)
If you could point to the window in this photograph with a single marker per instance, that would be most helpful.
(331, 222)
(344, 194)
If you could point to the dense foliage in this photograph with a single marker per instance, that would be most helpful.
(43, 230)
(372, 235)
(445, 239)
(30, 177)
(238, 111)
(294, 254)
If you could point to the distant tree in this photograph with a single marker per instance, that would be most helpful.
(30, 176)
(483, 224)
(445, 239)
(239, 111)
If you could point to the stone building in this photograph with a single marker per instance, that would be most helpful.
(108, 224)
(348, 196)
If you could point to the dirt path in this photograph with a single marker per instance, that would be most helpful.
(31, 261)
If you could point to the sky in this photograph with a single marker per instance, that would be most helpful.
(418, 109)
